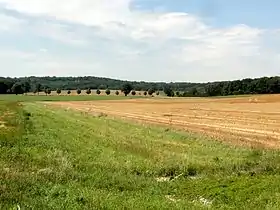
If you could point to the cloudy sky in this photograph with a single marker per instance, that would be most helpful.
(153, 40)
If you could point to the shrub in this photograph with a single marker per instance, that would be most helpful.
(88, 91)
(157, 93)
(117, 93)
(49, 91)
(108, 92)
(79, 91)
(98, 92)
(69, 92)
(177, 93)
(145, 93)
(133, 93)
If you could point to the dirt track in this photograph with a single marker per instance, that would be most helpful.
(253, 121)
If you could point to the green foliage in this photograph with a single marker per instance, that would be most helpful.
(79, 91)
(98, 92)
(88, 91)
(264, 85)
(168, 91)
(127, 88)
(58, 91)
(177, 93)
(108, 92)
(17, 88)
(133, 92)
(151, 91)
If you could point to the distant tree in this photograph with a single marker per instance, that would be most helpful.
(49, 91)
(145, 93)
(127, 88)
(108, 92)
(58, 91)
(79, 91)
(17, 88)
(168, 91)
(38, 88)
(69, 92)
(157, 93)
(151, 91)
(34, 91)
(177, 93)
(98, 92)
(46, 90)
(194, 92)
(102, 87)
(88, 91)
(26, 87)
(117, 93)
(133, 92)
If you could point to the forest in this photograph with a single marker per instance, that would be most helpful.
(264, 85)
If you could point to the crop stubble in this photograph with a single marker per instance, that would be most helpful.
(252, 121)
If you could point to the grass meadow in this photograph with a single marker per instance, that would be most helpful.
(51, 158)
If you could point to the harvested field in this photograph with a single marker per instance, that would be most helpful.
(252, 121)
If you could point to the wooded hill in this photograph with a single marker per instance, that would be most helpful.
(264, 85)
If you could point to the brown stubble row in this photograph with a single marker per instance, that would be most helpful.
(252, 121)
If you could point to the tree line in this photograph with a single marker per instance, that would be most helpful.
(264, 85)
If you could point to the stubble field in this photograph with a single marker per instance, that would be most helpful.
(251, 121)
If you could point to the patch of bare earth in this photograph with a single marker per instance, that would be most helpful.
(252, 121)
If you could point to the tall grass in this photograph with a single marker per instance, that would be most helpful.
(69, 160)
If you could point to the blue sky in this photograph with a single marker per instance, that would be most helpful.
(183, 40)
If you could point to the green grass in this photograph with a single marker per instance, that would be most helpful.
(57, 159)
(24, 98)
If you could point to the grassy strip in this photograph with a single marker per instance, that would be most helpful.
(30, 98)
(67, 159)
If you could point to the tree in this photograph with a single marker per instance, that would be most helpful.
(17, 89)
(168, 91)
(38, 88)
(88, 91)
(151, 91)
(69, 92)
(177, 93)
(194, 92)
(117, 93)
(79, 91)
(157, 93)
(26, 87)
(108, 92)
(49, 91)
(127, 88)
(133, 92)
(145, 93)
(58, 91)
(98, 92)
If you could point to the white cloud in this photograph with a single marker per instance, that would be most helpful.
(143, 45)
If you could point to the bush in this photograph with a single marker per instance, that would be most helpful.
(69, 92)
(145, 93)
(108, 92)
(133, 93)
(79, 91)
(117, 93)
(88, 91)
(157, 93)
(177, 93)
(98, 92)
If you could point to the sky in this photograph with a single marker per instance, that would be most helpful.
(151, 40)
